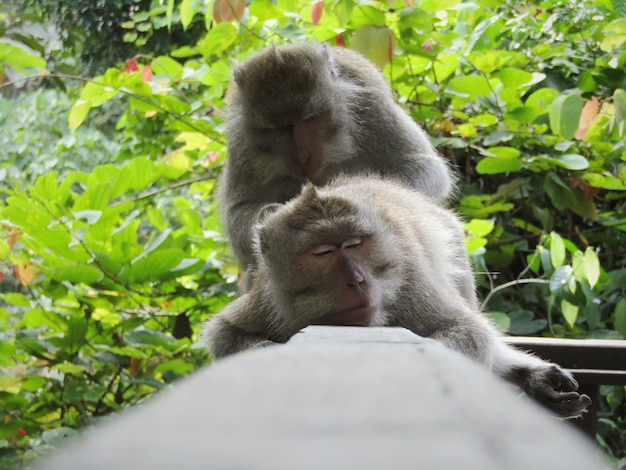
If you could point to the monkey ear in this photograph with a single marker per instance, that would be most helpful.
(266, 210)
(332, 67)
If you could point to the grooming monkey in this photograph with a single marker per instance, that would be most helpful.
(365, 251)
(309, 112)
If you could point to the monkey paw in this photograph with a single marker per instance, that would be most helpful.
(555, 388)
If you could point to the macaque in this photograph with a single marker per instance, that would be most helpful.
(367, 251)
(309, 112)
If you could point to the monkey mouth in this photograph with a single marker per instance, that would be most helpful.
(356, 316)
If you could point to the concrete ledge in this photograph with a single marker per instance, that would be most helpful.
(337, 398)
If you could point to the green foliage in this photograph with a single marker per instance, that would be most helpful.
(109, 269)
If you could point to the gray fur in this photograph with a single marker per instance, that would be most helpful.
(410, 263)
(361, 129)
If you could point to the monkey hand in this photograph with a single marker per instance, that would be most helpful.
(555, 388)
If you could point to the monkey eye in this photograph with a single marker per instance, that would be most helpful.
(322, 250)
(352, 244)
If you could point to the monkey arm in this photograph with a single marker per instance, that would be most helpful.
(238, 327)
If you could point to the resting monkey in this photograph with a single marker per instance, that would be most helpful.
(364, 251)
(309, 112)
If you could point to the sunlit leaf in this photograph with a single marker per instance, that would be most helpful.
(492, 166)
(570, 312)
(592, 266)
(186, 13)
(557, 250)
(78, 113)
(471, 85)
(219, 40)
(375, 43)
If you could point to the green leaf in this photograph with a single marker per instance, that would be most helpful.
(433, 6)
(618, 120)
(18, 58)
(570, 312)
(4, 249)
(592, 266)
(343, 11)
(155, 264)
(218, 40)
(471, 85)
(572, 161)
(614, 34)
(97, 93)
(76, 331)
(374, 42)
(565, 115)
(81, 273)
(19, 300)
(502, 152)
(560, 279)
(479, 228)
(177, 366)
(78, 113)
(557, 250)
(558, 191)
(89, 216)
(186, 13)
(366, 15)
(148, 338)
(10, 384)
(492, 166)
(164, 65)
(542, 99)
(619, 316)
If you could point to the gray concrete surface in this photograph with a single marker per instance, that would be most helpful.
(336, 398)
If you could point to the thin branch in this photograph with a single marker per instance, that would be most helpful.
(178, 184)
(511, 284)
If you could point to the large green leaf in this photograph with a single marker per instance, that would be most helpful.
(471, 85)
(565, 115)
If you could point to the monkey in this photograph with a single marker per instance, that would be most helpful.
(368, 251)
(308, 112)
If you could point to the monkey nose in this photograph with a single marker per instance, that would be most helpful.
(356, 281)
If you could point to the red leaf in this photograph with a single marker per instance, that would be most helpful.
(228, 10)
(146, 73)
(590, 192)
(588, 114)
(316, 11)
(130, 66)
(24, 273)
(340, 41)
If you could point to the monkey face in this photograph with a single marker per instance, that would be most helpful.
(322, 261)
(286, 106)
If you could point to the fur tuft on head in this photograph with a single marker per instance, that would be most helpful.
(284, 78)
(314, 211)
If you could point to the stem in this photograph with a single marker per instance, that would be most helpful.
(510, 284)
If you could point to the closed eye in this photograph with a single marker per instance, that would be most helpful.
(322, 250)
(352, 244)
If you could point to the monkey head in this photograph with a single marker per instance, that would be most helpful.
(290, 103)
(320, 256)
